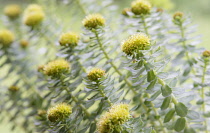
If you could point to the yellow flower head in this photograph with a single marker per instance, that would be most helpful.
(69, 39)
(140, 7)
(125, 11)
(12, 11)
(135, 42)
(93, 21)
(178, 16)
(96, 74)
(24, 43)
(206, 53)
(6, 37)
(59, 112)
(33, 15)
(117, 115)
(13, 88)
(56, 68)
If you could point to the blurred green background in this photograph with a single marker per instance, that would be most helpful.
(199, 10)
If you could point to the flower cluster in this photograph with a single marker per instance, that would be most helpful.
(69, 39)
(6, 37)
(56, 68)
(59, 112)
(96, 74)
(135, 42)
(33, 15)
(117, 115)
(140, 7)
(12, 11)
(178, 18)
(93, 21)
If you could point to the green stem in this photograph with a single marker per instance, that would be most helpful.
(112, 64)
(203, 95)
(145, 25)
(185, 47)
(77, 102)
(103, 95)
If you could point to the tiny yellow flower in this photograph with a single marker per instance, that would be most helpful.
(96, 74)
(69, 39)
(59, 112)
(125, 11)
(140, 7)
(56, 68)
(24, 43)
(13, 88)
(6, 38)
(12, 11)
(206, 53)
(117, 115)
(93, 21)
(135, 42)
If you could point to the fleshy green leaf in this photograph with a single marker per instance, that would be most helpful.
(166, 103)
(150, 76)
(169, 116)
(181, 109)
(166, 90)
(180, 124)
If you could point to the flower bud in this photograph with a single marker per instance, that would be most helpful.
(140, 7)
(135, 42)
(56, 68)
(41, 113)
(116, 116)
(59, 112)
(96, 74)
(12, 11)
(40, 68)
(125, 11)
(178, 16)
(33, 15)
(206, 53)
(24, 43)
(13, 88)
(93, 21)
(6, 38)
(69, 39)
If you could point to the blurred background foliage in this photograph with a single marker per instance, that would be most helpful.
(199, 10)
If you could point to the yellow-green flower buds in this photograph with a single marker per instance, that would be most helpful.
(33, 15)
(56, 68)
(6, 38)
(117, 115)
(178, 16)
(206, 53)
(12, 11)
(140, 7)
(93, 21)
(96, 74)
(41, 113)
(69, 39)
(24, 43)
(40, 68)
(135, 42)
(59, 112)
(125, 11)
(13, 88)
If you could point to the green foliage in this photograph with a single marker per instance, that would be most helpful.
(156, 81)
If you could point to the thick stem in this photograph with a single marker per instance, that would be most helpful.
(145, 25)
(103, 95)
(185, 47)
(203, 108)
